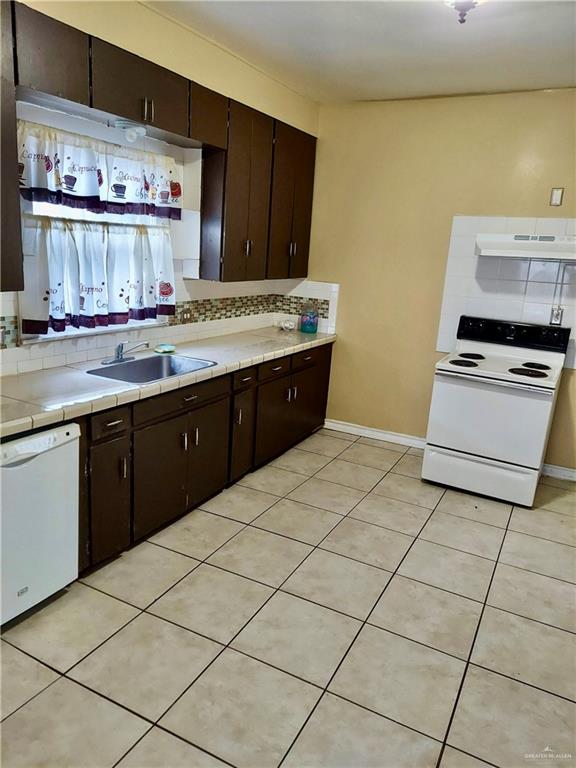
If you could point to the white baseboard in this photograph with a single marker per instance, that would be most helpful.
(552, 470)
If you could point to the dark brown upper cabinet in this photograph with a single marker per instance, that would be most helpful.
(52, 57)
(208, 116)
(291, 202)
(128, 86)
(245, 196)
(11, 269)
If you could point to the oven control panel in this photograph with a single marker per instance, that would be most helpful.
(530, 335)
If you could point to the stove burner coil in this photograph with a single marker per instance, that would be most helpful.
(536, 366)
(464, 363)
(530, 372)
(472, 356)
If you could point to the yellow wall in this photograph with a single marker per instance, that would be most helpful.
(141, 30)
(390, 177)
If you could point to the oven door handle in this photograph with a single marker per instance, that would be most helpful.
(496, 383)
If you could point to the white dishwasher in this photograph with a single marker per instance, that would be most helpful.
(39, 517)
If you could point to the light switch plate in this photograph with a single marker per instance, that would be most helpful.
(556, 196)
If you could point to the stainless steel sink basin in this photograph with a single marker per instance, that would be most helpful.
(154, 368)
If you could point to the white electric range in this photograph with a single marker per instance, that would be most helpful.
(492, 405)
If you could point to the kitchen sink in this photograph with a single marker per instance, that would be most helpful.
(154, 368)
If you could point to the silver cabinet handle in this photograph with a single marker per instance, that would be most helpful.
(152, 110)
(246, 378)
(114, 423)
(189, 399)
(290, 249)
(124, 467)
(294, 247)
(185, 440)
(289, 395)
(196, 436)
(248, 248)
(306, 359)
(239, 419)
(145, 109)
(295, 395)
(277, 368)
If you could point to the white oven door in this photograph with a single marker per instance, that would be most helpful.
(495, 419)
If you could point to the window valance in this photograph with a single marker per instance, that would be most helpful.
(79, 172)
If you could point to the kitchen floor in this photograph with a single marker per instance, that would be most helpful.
(328, 610)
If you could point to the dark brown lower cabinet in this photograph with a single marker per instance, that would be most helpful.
(110, 498)
(242, 440)
(208, 451)
(160, 474)
(273, 419)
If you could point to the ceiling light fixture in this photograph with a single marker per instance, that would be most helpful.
(462, 7)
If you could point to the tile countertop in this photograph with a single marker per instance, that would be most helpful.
(32, 400)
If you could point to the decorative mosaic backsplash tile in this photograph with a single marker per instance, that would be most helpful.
(199, 310)
(9, 324)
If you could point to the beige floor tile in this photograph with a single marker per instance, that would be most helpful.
(460, 533)
(409, 465)
(212, 602)
(557, 499)
(369, 543)
(243, 711)
(431, 616)
(142, 574)
(46, 731)
(261, 555)
(416, 451)
(299, 637)
(409, 489)
(338, 582)
(545, 524)
(198, 534)
(321, 493)
(375, 443)
(147, 665)
(304, 462)
(449, 569)
(539, 555)
(352, 475)
(22, 677)
(159, 749)
(415, 677)
(453, 758)
(299, 521)
(475, 508)
(273, 480)
(391, 513)
(240, 503)
(71, 626)
(528, 651)
(501, 721)
(327, 446)
(341, 735)
(369, 456)
(324, 432)
(534, 596)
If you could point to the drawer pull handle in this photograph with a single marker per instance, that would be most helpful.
(196, 436)
(124, 467)
(295, 393)
(277, 368)
(306, 359)
(114, 423)
(239, 419)
(190, 398)
(246, 378)
(185, 440)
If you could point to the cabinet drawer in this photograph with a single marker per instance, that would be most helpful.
(110, 422)
(274, 368)
(304, 359)
(245, 378)
(180, 399)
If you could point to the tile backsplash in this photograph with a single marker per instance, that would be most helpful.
(524, 290)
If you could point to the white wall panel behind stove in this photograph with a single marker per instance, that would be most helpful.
(504, 288)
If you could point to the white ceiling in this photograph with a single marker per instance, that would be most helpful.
(357, 50)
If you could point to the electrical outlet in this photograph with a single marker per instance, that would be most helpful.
(556, 316)
(186, 315)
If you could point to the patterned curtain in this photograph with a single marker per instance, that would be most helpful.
(88, 275)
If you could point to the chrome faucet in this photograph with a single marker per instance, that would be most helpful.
(120, 353)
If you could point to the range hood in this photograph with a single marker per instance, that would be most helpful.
(540, 247)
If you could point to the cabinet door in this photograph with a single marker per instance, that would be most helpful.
(129, 86)
(11, 267)
(281, 202)
(304, 158)
(259, 207)
(160, 469)
(308, 402)
(273, 419)
(110, 498)
(243, 426)
(237, 193)
(208, 461)
(208, 116)
(52, 57)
